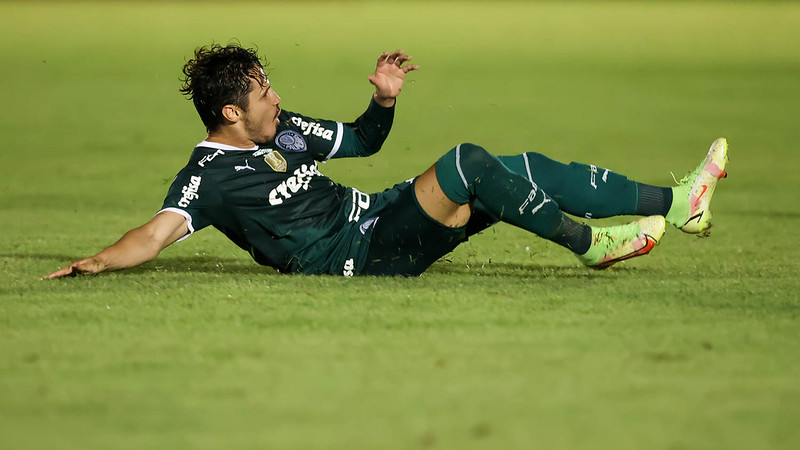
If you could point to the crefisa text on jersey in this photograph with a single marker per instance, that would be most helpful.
(190, 191)
(312, 128)
(299, 180)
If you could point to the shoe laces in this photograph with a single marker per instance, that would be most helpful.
(604, 239)
(689, 177)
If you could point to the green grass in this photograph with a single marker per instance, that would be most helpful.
(508, 342)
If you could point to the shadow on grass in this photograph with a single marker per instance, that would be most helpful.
(532, 270)
(43, 256)
(241, 266)
(205, 264)
(199, 264)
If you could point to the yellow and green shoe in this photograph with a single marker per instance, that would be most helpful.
(613, 244)
(691, 198)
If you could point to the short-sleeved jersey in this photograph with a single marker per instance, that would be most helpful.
(273, 201)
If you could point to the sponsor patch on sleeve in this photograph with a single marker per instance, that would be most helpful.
(291, 141)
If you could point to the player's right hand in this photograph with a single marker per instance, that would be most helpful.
(82, 267)
(390, 73)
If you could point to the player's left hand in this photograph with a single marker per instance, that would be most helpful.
(390, 73)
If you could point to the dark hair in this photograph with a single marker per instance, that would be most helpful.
(219, 76)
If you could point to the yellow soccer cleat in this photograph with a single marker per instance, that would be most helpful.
(616, 243)
(692, 215)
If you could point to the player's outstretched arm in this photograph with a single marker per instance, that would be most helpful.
(390, 73)
(135, 247)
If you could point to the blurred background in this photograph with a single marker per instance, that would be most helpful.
(93, 130)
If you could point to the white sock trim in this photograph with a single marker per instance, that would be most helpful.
(528, 167)
(458, 166)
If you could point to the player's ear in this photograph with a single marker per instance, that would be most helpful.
(231, 113)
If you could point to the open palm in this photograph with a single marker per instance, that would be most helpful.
(390, 73)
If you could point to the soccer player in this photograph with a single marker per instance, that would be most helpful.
(256, 179)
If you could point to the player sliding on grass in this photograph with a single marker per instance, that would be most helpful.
(255, 178)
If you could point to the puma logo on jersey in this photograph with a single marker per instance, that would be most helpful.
(300, 179)
(312, 128)
(246, 166)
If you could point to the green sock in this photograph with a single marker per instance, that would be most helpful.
(589, 191)
(653, 200)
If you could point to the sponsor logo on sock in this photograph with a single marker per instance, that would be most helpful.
(593, 171)
(529, 200)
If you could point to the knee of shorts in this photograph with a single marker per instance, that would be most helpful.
(472, 154)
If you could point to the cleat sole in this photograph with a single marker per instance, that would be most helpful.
(649, 245)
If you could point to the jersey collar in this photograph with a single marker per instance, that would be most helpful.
(218, 146)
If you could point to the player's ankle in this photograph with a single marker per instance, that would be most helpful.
(679, 209)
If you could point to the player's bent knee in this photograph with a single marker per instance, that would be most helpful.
(459, 170)
(450, 173)
(471, 155)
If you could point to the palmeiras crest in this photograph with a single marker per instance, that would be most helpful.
(290, 141)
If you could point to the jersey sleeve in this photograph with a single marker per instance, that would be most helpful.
(191, 196)
(326, 139)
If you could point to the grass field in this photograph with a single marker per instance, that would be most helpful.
(508, 343)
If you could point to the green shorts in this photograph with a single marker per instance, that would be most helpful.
(406, 240)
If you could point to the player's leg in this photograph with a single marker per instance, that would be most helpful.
(468, 173)
(589, 191)
(581, 190)
(592, 192)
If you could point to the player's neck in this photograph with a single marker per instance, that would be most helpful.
(230, 137)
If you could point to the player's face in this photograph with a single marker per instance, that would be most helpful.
(261, 119)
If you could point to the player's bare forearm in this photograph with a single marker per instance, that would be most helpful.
(135, 247)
